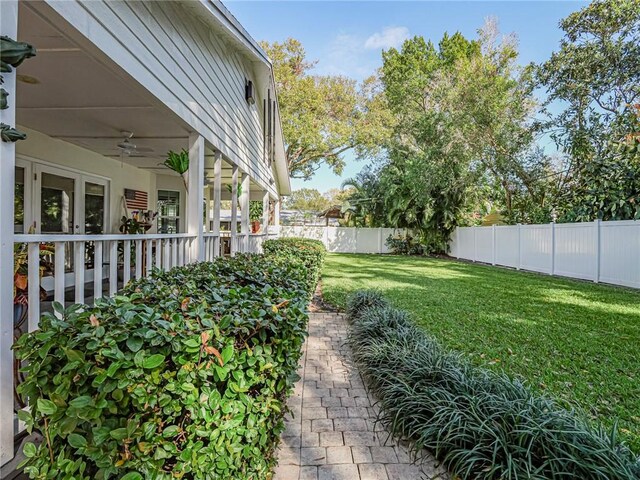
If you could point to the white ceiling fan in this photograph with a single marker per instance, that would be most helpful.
(128, 148)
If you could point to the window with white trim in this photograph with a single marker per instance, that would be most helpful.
(168, 211)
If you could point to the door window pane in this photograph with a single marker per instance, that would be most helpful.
(18, 202)
(56, 204)
(94, 208)
(168, 211)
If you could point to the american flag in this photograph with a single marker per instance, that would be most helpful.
(136, 199)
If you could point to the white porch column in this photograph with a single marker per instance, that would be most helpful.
(244, 212)
(217, 200)
(195, 195)
(276, 216)
(9, 27)
(207, 209)
(265, 213)
(234, 210)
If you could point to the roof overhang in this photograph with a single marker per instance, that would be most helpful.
(215, 12)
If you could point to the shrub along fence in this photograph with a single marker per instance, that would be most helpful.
(184, 374)
(481, 424)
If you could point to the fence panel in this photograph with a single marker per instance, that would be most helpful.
(484, 245)
(368, 240)
(535, 248)
(576, 250)
(344, 239)
(599, 251)
(507, 246)
(620, 253)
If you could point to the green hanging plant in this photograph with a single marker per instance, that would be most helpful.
(179, 163)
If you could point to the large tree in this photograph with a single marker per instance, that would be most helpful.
(306, 200)
(324, 116)
(594, 79)
(462, 134)
(595, 76)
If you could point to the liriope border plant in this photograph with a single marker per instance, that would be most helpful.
(479, 423)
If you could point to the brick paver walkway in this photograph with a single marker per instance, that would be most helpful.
(332, 434)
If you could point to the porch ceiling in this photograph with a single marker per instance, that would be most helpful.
(68, 94)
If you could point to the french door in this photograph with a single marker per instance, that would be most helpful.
(69, 202)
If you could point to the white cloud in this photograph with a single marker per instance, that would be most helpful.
(388, 38)
(345, 55)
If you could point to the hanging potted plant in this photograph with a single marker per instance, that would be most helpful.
(179, 163)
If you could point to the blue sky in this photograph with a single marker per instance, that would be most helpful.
(347, 38)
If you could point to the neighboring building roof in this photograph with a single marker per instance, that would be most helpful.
(332, 212)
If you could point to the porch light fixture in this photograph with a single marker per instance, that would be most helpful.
(248, 92)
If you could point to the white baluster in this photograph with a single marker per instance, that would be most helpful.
(181, 251)
(33, 285)
(58, 272)
(166, 255)
(158, 254)
(174, 252)
(97, 270)
(126, 260)
(113, 268)
(149, 246)
(138, 259)
(78, 268)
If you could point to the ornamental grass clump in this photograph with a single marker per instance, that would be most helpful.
(481, 424)
(184, 374)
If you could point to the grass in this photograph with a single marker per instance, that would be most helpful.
(577, 341)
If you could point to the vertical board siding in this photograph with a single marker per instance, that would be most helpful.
(507, 245)
(536, 248)
(620, 253)
(575, 250)
(184, 63)
(599, 251)
(367, 243)
(343, 239)
(484, 245)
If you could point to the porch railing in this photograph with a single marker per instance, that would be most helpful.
(83, 268)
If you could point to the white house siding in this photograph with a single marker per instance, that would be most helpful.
(44, 149)
(186, 65)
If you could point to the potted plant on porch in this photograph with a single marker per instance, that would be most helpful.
(255, 215)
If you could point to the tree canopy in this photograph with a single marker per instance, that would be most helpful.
(323, 116)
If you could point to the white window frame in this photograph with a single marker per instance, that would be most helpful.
(169, 217)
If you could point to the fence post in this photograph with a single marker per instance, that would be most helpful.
(519, 246)
(493, 244)
(325, 237)
(379, 240)
(553, 248)
(475, 244)
(597, 225)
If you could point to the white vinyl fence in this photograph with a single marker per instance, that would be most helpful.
(344, 239)
(606, 252)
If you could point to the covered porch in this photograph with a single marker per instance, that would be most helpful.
(90, 167)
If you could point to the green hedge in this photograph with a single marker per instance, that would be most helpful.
(183, 375)
(310, 252)
(481, 424)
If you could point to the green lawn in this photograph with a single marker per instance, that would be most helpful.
(578, 341)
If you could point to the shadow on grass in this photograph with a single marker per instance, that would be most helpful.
(576, 340)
